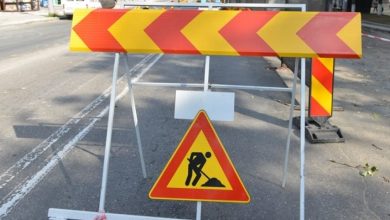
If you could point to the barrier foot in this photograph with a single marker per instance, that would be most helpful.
(67, 214)
(320, 131)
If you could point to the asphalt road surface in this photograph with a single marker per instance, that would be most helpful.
(53, 113)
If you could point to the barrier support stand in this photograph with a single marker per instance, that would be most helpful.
(67, 214)
(135, 117)
(198, 210)
(206, 73)
(320, 130)
(205, 89)
(109, 134)
(317, 126)
(82, 30)
(302, 142)
(293, 92)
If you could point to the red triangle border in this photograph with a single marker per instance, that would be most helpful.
(238, 194)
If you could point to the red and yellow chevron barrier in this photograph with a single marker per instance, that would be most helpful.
(321, 89)
(236, 33)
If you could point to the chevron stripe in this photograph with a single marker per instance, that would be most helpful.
(241, 33)
(245, 33)
(169, 37)
(203, 32)
(99, 21)
(130, 31)
(77, 43)
(323, 27)
(287, 24)
(347, 36)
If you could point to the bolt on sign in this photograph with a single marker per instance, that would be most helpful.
(200, 169)
(234, 33)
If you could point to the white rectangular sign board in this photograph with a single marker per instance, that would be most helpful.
(218, 105)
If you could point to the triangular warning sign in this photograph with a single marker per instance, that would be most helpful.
(200, 169)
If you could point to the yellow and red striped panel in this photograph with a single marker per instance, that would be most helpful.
(321, 89)
(236, 33)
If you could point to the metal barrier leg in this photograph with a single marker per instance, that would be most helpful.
(135, 117)
(302, 139)
(206, 73)
(109, 135)
(198, 210)
(290, 122)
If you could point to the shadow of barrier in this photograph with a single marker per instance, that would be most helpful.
(187, 29)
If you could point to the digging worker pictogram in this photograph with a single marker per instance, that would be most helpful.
(196, 162)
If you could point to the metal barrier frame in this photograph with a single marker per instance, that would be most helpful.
(206, 86)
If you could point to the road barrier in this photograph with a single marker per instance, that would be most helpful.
(318, 128)
(231, 32)
(320, 109)
(235, 33)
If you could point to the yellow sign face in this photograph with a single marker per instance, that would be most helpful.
(211, 168)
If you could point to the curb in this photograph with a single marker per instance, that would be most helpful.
(375, 26)
(28, 21)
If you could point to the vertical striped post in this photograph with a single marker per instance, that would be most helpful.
(318, 128)
(321, 89)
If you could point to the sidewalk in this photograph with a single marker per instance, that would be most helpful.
(14, 18)
(373, 21)
(378, 22)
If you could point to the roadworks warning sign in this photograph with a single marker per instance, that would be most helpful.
(200, 169)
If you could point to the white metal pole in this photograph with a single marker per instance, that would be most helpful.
(109, 135)
(172, 85)
(135, 117)
(302, 139)
(290, 122)
(216, 5)
(198, 210)
(206, 73)
(257, 88)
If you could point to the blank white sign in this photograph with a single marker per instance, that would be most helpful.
(219, 106)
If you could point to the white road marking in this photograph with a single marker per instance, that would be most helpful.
(137, 77)
(24, 188)
(25, 161)
(376, 37)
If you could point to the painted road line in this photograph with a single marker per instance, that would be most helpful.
(375, 37)
(30, 157)
(19, 193)
(24, 188)
(145, 70)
